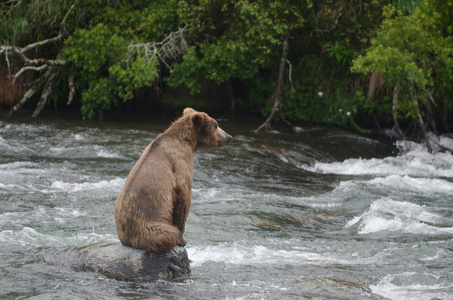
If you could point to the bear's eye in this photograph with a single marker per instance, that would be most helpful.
(215, 126)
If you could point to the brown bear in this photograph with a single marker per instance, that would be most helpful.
(151, 210)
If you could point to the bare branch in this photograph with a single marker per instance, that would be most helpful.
(36, 61)
(277, 93)
(290, 68)
(441, 146)
(52, 67)
(171, 47)
(71, 85)
(11, 3)
(55, 72)
(30, 92)
(43, 42)
(7, 62)
(67, 14)
(27, 68)
(28, 61)
(37, 65)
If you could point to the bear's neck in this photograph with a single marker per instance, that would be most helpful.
(184, 133)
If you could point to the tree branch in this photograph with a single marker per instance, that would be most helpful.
(277, 93)
(67, 14)
(171, 47)
(55, 71)
(31, 91)
(31, 62)
(27, 68)
(52, 67)
(71, 85)
(419, 116)
(441, 146)
(395, 118)
(41, 43)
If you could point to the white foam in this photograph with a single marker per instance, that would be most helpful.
(87, 238)
(107, 154)
(25, 128)
(258, 254)
(69, 212)
(29, 237)
(396, 216)
(366, 191)
(26, 236)
(394, 287)
(440, 254)
(113, 184)
(7, 186)
(79, 137)
(90, 151)
(414, 161)
(419, 185)
(19, 165)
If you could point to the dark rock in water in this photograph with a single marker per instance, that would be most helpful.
(117, 261)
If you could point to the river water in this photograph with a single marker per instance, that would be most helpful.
(318, 214)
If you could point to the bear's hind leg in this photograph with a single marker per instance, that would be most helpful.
(159, 237)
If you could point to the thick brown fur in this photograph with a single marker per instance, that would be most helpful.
(151, 210)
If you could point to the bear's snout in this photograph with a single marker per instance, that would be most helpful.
(225, 138)
(228, 139)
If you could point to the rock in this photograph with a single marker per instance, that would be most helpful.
(120, 262)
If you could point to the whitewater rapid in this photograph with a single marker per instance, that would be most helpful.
(322, 214)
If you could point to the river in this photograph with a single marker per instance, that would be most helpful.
(319, 214)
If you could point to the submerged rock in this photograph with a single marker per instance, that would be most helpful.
(117, 261)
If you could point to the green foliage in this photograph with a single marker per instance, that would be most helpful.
(413, 50)
(405, 6)
(97, 97)
(259, 91)
(399, 48)
(140, 73)
(338, 109)
(119, 47)
(29, 21)
(234, 39)
(103, 53)
(342, 54)
(92, 62)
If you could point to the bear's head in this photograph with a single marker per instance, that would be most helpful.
(208, 133)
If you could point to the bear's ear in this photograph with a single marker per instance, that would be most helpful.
(188, 110)
(196, 119)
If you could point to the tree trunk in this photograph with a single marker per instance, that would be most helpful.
(395, 117)
(71, 85)
(232, 98)
(429, 117)
(419, 116)
(277, 93)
